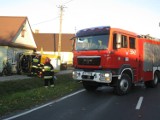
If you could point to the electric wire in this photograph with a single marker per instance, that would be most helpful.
(67, 2)
(45, 21)
(42, 22)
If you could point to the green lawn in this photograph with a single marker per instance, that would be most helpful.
(24, 94)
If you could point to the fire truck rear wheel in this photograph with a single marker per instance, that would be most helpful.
(123, 85)
(89, 86)
(153, 83)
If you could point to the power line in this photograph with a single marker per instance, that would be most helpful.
(45, 21)
(42, 22)
(67, 2)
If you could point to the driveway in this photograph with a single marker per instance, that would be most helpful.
(13, 77)
(17, 77)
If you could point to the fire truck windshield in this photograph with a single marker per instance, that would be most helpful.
(98, 42)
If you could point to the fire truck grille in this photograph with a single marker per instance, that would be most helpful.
(89, 61)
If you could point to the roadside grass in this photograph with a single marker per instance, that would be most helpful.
(24, 94)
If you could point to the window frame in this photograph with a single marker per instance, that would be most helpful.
(124, 41)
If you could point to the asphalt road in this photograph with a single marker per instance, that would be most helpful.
(140, 104)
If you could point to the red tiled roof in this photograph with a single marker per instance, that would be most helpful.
(49, 42)
(9, 27)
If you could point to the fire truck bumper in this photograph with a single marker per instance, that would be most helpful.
(99, 76)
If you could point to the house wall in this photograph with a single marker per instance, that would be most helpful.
(3, 56)
(11, 55)
(25, 36)
(67, 57)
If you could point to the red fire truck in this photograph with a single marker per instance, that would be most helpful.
(115, 57)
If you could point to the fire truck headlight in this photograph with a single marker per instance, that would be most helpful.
(75, 74)
(108, 77)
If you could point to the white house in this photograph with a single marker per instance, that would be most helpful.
(15, 37)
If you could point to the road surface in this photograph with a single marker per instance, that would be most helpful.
(140, 104)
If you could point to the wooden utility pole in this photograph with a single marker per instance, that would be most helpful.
(60, 30)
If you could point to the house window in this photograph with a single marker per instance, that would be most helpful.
(23, 33)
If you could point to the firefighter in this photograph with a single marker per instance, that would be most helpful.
(35, 64)
(48, 73)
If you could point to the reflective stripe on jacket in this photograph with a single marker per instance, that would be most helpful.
(35, 60)
(33, 66)
(48, 77)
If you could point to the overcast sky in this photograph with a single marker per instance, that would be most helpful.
(139, 16)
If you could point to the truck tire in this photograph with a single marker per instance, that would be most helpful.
(123, 85)
(89, 86)
(153, 83)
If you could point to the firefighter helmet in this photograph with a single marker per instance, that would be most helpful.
(47, 60)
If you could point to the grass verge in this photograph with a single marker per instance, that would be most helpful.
(24, 94)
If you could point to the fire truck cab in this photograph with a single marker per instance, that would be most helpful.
(115, 57)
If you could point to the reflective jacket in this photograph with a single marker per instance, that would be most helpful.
(48, 71)
(35, 63)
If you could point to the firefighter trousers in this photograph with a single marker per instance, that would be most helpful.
(48, 82)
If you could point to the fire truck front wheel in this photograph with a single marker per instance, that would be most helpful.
(123, 85)
(89, 86)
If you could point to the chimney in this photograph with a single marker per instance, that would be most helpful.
(36, 31)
